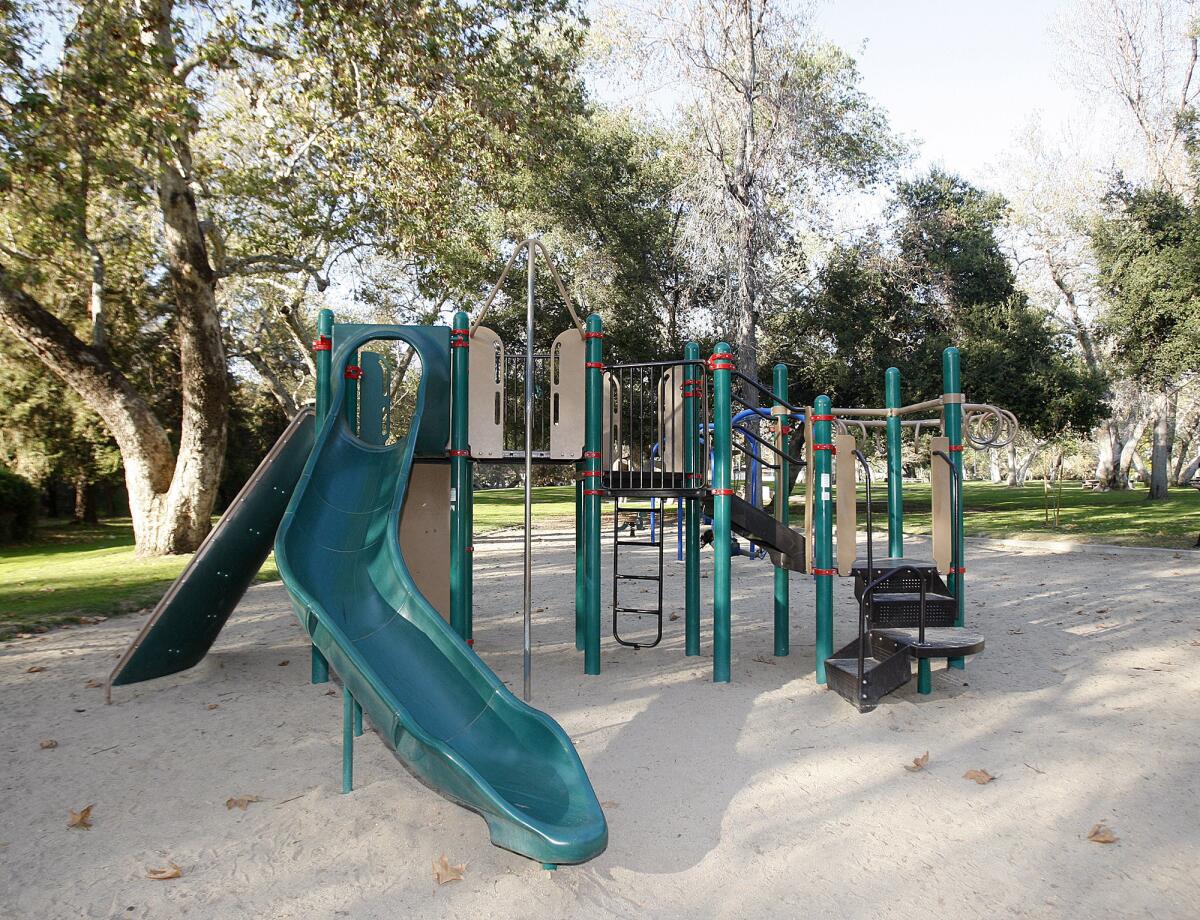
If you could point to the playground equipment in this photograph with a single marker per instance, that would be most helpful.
(368, 504)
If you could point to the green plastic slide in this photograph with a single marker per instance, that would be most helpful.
(448, 718)
(188, 619)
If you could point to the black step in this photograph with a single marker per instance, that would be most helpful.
(784, 545)
(881, 675)
(903, 582)
(903, 609)
(940, 641)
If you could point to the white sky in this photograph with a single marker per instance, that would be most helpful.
(960, 77)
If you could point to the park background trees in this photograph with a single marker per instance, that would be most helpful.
(183, 186)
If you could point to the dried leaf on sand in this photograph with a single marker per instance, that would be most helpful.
(285, 662)
(212, 706)
(241, 801)
(92, 683)
(35, 669)
(1102, 833)
(47, 744)
(983, 777)
(444, 872)
(170, 870)
(81, 818)
(918, 763)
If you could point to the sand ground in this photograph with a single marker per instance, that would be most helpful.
(768, 797)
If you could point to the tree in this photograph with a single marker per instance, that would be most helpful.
(773, 123)
(1148, 248)
(375, 120)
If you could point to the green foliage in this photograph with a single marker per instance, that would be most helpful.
(940, 280)
(18, 507)
(1148, 250)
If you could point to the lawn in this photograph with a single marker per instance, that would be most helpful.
(76, 572)
(72, 572)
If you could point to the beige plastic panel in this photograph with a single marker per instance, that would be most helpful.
(610, 439)
(847, 503)
(939, 485)
(486, 422)
(809, 491)
(567, 355)
(425, 532)
(670, 418)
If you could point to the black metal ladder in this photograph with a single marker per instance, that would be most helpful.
(618, 576)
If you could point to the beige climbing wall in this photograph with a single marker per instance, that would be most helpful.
(425, 532)
(670, 418)
(847, 503)
(486, 394)
(567, 355)
(939, 483)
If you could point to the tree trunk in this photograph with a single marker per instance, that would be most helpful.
(1185, 439)
(994, 472)
(85, 501)
(1161, 443)
(1011, 480)
(1139, 469)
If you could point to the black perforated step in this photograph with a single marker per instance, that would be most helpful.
(882, 673)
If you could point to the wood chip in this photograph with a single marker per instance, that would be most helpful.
(918, 763)
(92, 683)
(47, 744)
(212, 706)
(170, 870)
(36, 669)
(983, 777)
(241, 801)
(443, 872)
(1102, 833)
(82, 818)
(285, 663)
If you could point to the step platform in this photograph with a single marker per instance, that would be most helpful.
(940, 641)
(883, 672)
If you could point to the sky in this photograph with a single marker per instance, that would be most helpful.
(960, 77)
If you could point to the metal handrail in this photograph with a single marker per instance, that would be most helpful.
(866, 598)
(777, 400)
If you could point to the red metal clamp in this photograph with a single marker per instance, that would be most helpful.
(353, 372)
(322, 343)
(598, 365)
(593, 335)
(722, 491)
(822, 418)
(460, 453)
(591, 455)
(828, 447)
(824, 571)
(721, 361)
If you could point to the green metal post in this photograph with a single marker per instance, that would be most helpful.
(459, 484)
(722, 364)
(952, 426)
(347, 740)
(691, 507)
(780, 386)
(823, 569)
(351, 400)
(593, 407)
(357, 719)
(469, 558)
(323, 347)
(895, 481)
(580, 563)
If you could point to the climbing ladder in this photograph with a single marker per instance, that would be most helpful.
(656, 541)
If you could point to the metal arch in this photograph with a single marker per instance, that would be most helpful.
(533, 245)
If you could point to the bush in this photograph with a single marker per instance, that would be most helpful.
(18, 507)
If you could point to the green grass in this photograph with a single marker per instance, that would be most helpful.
(73, 572)
(1123, 518)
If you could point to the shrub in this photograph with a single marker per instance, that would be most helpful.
(18, 507)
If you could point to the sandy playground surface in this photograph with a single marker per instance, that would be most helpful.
(769, 797)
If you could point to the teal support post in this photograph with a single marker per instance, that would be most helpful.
(722, 365)
(823, 569)
(953, 429)
(323, 348)
(469, 558)
(353, 374)
(580, 564)
(592, 491)
(347, 740)
(895, 469)
(782, 419)
(357, 719)
(693, 385)
(460, 484)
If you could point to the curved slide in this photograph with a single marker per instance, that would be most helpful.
(448, 718)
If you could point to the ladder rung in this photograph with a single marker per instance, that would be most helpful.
(639, 577)
(638, 543)
(640, 610)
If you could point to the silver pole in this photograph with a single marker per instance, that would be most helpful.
(530, 253)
